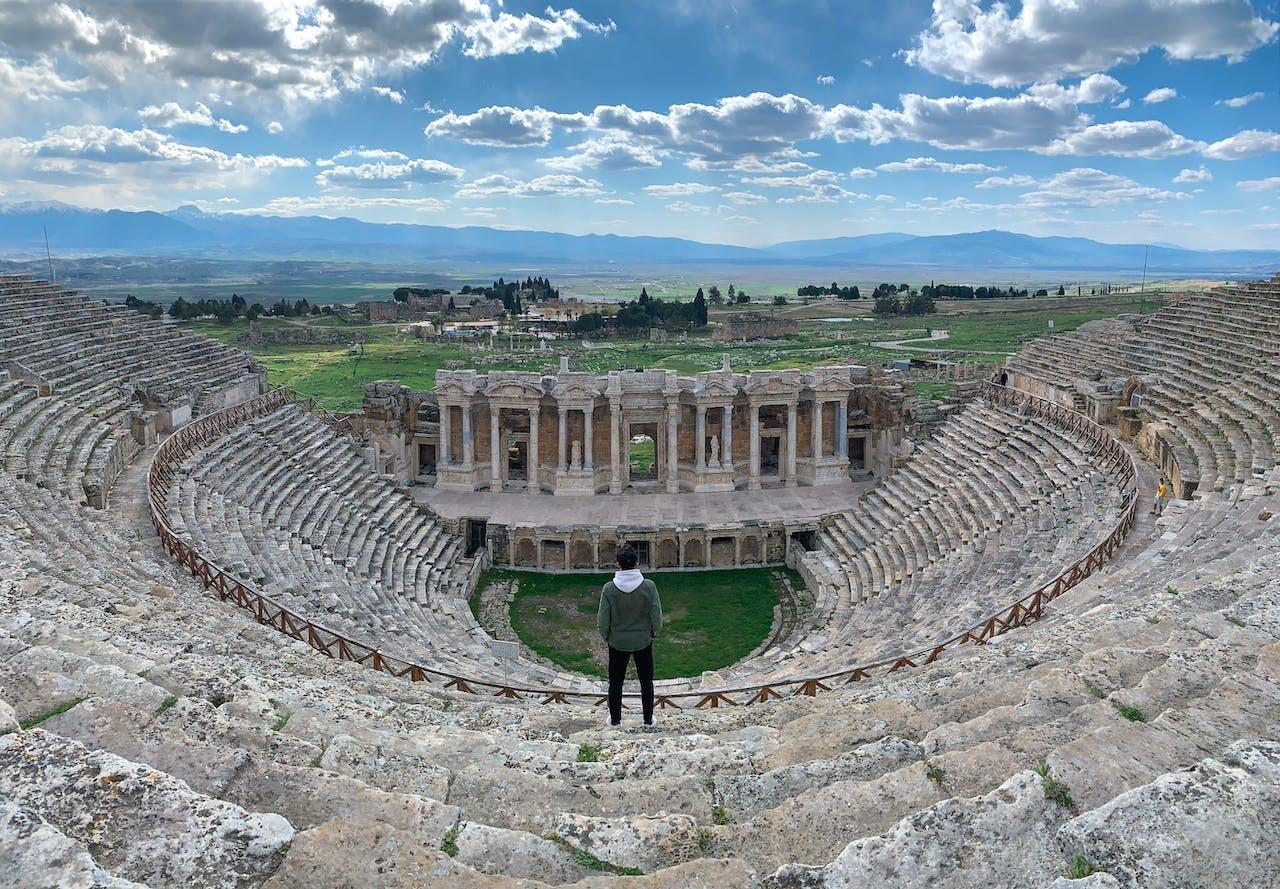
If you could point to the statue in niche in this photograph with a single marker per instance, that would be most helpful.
(713, 452)
(575, 462)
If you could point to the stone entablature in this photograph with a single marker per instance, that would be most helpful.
(570, 433)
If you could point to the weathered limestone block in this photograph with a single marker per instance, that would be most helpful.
(516, 853)
(8, 718)
(643, 842)
(309, 796)
(35, 855)
(1001, 839)
(1216, 824)
(386, 766)
(142, 824)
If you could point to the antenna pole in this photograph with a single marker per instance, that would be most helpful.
(47, 255)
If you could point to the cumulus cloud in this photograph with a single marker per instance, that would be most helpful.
(1188, 176)
(171, 114)
(617, 202)
(861, 173)
(1124, 138)
(1086, 186)
(607, 153)
(1241, 101)
(298, 51)
(275, 128)
(1047, 40)
(389, 175)
(343, 204)
(553, 185)
(396, 96)
(503, 126)
(934, 165)
(1162, 94)
(816, 187)
(686, 207)
(679, 189)
(110, 145)
(1246, 143)
(826, 80)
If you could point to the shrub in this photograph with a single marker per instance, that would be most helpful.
(589, 753)
(1133, 714)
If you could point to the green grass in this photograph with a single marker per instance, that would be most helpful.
(48, 714)
(1094, 690)
(720, 815)
(1054, 789)
(711, 618)
(934, 390)
(589, 753)
(449, 844)
(936, 774)
(1080, 867)
(167, 703)
(1133, 714)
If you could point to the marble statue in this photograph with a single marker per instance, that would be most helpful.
(575, 461)
(713, 452)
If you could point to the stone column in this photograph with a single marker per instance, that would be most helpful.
(816, 431)
(563, 443)
(495, 447)
(446, 434)
(700, 444)
(726, 436)
(615, 447)
(532, 470)
(753, 481)
(842, 428)
(673, 463)
(791, 445)
(588, 433)
(468, 440)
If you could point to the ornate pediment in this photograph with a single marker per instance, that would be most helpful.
(520, 390)
(831, 379)
(768, 384)
(715, 388)
(456, 384)
(575, 389)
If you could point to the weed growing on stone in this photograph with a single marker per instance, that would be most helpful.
(720, 815)
(36, 720)
(936, 774)
(1054, 789)
(449, 845)
(1133, 714)
(589, 753)
(1094, 690)
(1080, 867)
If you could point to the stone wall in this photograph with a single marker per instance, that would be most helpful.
(753, 326)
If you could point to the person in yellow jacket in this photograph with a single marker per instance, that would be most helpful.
(1162, 494)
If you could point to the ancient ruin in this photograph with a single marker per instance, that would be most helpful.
(254, 664)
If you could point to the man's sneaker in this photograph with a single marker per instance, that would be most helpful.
(652, 721)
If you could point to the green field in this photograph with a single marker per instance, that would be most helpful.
(711, 618)
(337, 374)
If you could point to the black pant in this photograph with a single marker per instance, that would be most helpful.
(618, 673)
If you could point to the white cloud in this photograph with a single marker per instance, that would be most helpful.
(1018, 180)
(171, 114)
(738, 218)
(745, 198)
(619, 202)
(342, 204)
(554, 185)
(1124, 138)
(502, 125)
(367, 154)
(275, 128)
(1162, 94)
(389, 175)
(1123, 104)
(934, 165)
(1046, 40)
(1086, 186)
(1240, 101)
(1188, 176)
(509, 34)
(1271, 183)
(885, 199)
(109, 145)
(826, 80)
(816, 187)
(679, 189)
(686, 207)
(396, 96)
(861, 173)
(607, 153)
(275, 52)
(1246, 143)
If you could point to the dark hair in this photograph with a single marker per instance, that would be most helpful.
(627, 557)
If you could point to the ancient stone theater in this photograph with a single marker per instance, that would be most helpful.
(236, 647)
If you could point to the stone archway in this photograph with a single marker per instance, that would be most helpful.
(668, 554)
(583, 554)
(751, 550)
(526, 553)
(693, 557)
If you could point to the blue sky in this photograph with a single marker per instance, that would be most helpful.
(737, 122)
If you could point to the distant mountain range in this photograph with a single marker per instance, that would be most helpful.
(191, 231)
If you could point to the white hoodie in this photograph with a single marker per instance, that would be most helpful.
(628, 580)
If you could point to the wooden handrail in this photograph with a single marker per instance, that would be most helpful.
(1027, 609)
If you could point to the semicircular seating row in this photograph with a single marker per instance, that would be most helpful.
(993, 505)
(1211, 365)
(93, 356)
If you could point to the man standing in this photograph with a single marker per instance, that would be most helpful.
(1162, 494)
(629, 618)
